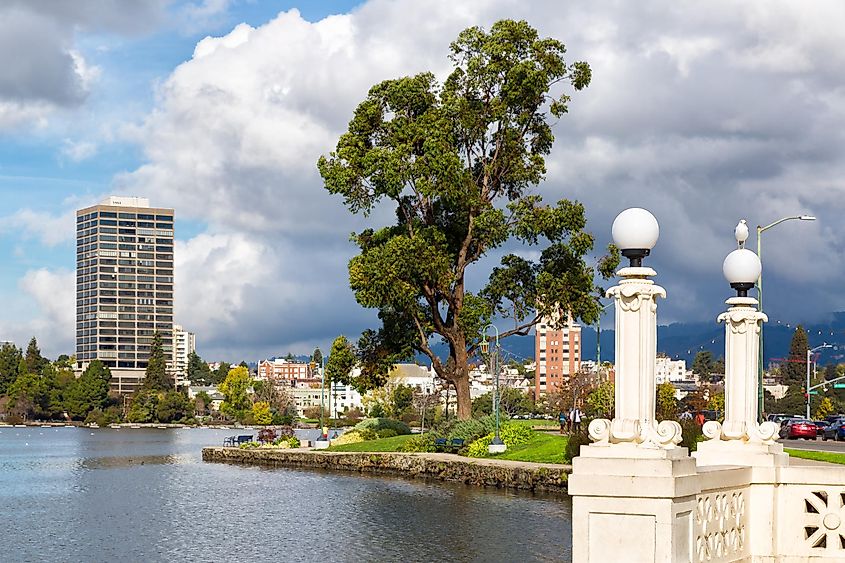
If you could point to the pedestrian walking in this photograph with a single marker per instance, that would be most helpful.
(569, 420)
(576, 420)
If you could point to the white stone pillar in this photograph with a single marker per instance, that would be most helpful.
(634, 421)
(740, 439)
(633, 490)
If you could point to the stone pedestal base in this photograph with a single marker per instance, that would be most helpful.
(322, 444)
(497, 448)
(632, 504)
(737, 452)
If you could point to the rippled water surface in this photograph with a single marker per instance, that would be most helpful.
(72, 494)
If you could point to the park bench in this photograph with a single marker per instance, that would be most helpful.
(440, 444)
(237, 440)
(455, 444)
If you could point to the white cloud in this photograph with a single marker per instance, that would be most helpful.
(52, 292)
(49, 229)
(77, 151)
(702, 113)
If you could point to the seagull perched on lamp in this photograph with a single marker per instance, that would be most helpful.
(741, 233)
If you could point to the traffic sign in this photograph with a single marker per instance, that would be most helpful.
(839, 385)
(816, 392)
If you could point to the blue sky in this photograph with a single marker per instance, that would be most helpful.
(220, 109)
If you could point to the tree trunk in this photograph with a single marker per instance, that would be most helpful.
(461, 381)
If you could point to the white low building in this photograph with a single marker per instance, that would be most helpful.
(667, 369)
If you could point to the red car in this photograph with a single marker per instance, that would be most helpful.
(799, 428)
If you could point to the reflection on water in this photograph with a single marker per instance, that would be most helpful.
(69, 494)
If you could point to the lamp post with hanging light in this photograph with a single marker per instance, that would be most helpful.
(760, 231)
(497, 446)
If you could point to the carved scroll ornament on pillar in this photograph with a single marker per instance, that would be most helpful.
(743, 323)
(646, 434)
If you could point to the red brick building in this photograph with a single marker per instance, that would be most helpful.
(558, 355)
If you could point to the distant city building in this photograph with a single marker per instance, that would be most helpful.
(184, 343)
(124, 286)
(291, 372)
(667, 369)
(557, 353)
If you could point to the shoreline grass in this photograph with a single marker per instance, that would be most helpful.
(829, 457)
(380, 445)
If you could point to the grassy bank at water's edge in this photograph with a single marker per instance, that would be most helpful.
(380, 445)
(830, 457)
(543, 448)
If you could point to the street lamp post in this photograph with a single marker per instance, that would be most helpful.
(807, 388)
(760, 231)
(497, 446)
(598, 338)
(323, 441)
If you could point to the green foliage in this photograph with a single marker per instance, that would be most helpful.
(341, 361)
(515, 434)
(717, 402)
(511, 402)
(702, 365)
(691, 435)
(401, 399)
(35, 362)
(156, 377)
(378, 424)
(90, 391)
(794, 371)
(667, 405)
(420, 443)
(10, 361)
(235, 389)
(601, 400)
(317, 357)
(219, 376)
(261, 414)
(825, 408)
(573, 445)
(386, 433)
(457, 160)
(29, 395)
(172, 406)
(472, 429)
(479, 448)
(198, 371)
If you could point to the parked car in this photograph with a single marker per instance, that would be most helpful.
(798, 428)
(820, 426)
(835, 430)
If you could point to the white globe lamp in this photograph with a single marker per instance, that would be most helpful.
(742, 269)
(635, 232)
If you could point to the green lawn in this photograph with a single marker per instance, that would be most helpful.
(381, 445)
(543, 448)
(535, 422)
(830, 457)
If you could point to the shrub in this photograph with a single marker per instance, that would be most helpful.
(352, 437)
(376, 424)
(473, 429)
(249, 445)
(367, 434)
(691, 435)
(420, 443)
(573, 446)
(266, 435)
(287, 442)
(515, 434)
(387, 433)
(479, 447)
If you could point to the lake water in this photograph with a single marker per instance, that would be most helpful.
(77, 494)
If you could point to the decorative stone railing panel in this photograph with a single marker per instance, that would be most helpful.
(720, 526)
(811, 521)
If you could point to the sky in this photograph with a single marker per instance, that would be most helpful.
(703, 113)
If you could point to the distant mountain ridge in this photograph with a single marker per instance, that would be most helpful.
(684, 340)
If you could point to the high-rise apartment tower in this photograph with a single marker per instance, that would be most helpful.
(124, 286)
(558, 355)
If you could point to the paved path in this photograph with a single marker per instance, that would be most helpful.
(814, 445)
